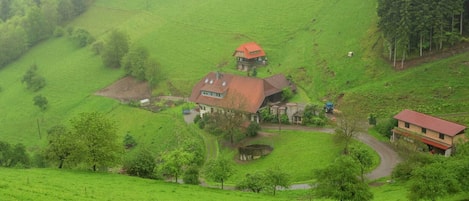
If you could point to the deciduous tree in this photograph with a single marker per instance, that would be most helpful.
(115, 48)
(62, 147)
(432, 182)
(219, 170)
(348, 127)
(363, 157)
(255, 182)
(339, 181)
(175, 162)
(99, 136)
(276, 177)
(41, 102)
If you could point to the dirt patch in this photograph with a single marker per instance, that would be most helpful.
(126, 89)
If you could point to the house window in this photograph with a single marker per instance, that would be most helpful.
(424, 130)
(407, 125)
(442, 136)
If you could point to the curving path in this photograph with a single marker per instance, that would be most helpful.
(388, 157)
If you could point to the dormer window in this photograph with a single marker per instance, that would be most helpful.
(213, 94)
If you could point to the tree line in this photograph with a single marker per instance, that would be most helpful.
(24, 23)
(416, 26)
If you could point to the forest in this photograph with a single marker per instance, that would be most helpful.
(25, 23)
(413, 27)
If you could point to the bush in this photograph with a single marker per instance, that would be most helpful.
(41, 102)
(39, 160)
(252, 129)
(129, 141)
(191, 175)
(34, 81)
(59, 32)
(82, 37)
(97, 47)
(385, 128)
(140, 163)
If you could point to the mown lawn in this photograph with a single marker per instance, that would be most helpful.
(298, 153)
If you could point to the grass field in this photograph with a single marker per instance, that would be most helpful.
(308, 39)
(297, 153)
(49, 184)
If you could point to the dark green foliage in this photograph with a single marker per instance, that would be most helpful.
(340, 181)
(64, 11)
(62, 148)
(404, 170)
(284, 119)
(363, 157)
(19, 157)
(13, 43)
(140, 163)
(197, 151)
(433, 181)
(5, 8)
(129, 141)
(5, 154)
(115, 48)
(134, 62)
(39, 160)
(266, 116)
(33, 80)
(287, 93)
(59, 32)
(255, 182)
(191, 175)
(14, 156)
(385, 127)
(98, 135)
(372, 119)
(36, 26)
(26, 24)
(82, 37)
(252, 129)
(415, 26)
(41, 102)
(219, 170)
(313, 115)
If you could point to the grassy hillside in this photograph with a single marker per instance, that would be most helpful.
(47, 184)
(308, 39)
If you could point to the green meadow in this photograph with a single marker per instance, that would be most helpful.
(50, 184)
(307, 39)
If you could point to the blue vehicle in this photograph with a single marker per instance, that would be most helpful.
(329, 107)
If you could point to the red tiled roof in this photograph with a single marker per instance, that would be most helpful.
(250, 50)
(241, 92)
(430, 122)
(435, 144)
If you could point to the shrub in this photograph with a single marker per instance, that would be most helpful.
(385, 128)
(41, 102)
(129, 141)
(59, 32)
(82, 37)
(34, 81)
(97, 47)
(191, 175)
(252, 129)
(140, 163)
